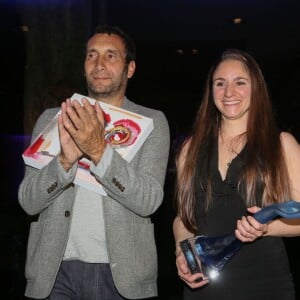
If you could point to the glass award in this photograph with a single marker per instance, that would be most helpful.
(209, 255)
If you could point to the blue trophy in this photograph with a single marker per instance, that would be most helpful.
(208, 255)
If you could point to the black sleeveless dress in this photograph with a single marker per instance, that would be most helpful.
(260, 270)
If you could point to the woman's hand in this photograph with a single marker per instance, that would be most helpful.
(248, 229)
(193, 280)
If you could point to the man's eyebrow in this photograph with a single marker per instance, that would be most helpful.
(111, 50)
(91, 50)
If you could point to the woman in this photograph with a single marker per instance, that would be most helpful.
(234, 162)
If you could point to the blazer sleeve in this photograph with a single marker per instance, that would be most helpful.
(39, 188)
(139, 185)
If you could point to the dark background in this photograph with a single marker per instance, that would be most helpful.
(41, 52)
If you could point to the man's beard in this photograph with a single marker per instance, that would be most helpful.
(96, 93)
(104, 92)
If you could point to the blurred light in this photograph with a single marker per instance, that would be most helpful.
(24, 28)
(237, 20)
(180, 51)
(194, 51)
(213, 274)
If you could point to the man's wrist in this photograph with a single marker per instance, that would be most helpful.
(97, 157)
(65, 164)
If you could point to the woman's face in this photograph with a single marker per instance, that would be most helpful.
(232, 89)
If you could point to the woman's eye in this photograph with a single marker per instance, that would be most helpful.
(240, 83)
(219, 84)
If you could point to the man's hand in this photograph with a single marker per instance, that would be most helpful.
(85, 125)
(70, 153)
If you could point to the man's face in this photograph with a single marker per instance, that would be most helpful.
(105, 66)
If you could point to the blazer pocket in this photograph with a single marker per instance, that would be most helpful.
(145, 254)
(32, 260)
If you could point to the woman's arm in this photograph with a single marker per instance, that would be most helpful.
(180, 233)
(248, 229)
(291, 147)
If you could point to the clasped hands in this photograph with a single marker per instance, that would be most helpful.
(81, 132)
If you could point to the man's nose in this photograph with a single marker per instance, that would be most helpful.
(100, 65)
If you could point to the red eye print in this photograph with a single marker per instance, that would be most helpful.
(124, 133)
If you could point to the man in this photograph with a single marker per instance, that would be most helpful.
(84, 245)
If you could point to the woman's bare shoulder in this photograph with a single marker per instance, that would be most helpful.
(289, 142)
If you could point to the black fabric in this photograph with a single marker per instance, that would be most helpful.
(260, 270)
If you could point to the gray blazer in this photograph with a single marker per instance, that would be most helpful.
(49, 193)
